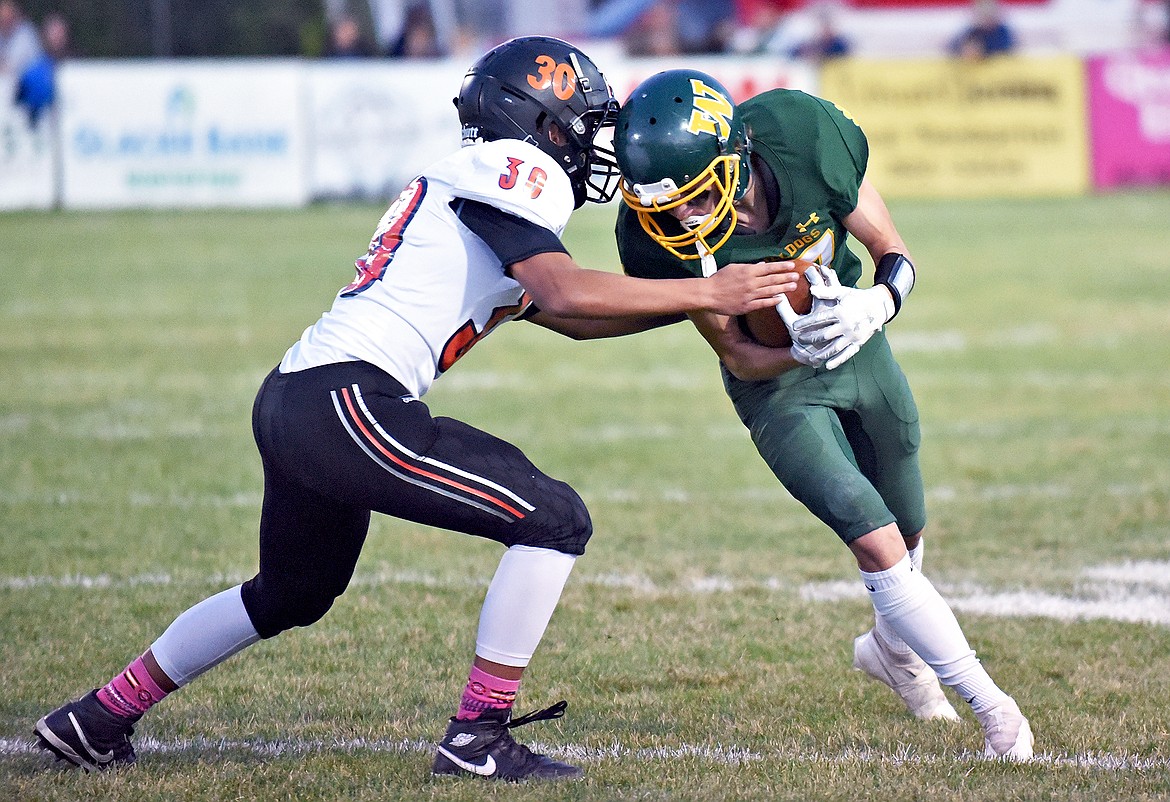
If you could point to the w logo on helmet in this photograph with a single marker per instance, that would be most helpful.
(712, 111)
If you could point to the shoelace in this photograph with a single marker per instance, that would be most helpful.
(548, 713)
(523, 758)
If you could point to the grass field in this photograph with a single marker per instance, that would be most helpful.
(704, 640)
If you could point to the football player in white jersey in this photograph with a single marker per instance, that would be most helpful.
(471, 243)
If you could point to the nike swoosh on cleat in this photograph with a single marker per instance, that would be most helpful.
(485, 769)
(99, 757)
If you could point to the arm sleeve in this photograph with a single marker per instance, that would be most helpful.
(511, 239)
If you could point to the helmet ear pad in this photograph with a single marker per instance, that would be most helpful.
(679, 134)
(546, 92)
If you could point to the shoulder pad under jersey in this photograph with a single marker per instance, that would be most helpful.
(517, 178)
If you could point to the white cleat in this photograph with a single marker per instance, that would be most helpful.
(1007, 734)
(910, 677)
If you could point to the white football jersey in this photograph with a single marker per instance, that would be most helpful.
(429, 289)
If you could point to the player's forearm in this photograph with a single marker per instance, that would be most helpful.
(750, 362)
(745, 359)
(563, 289)
(598, 328)
(597, 294)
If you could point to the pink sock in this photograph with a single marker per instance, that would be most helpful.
(486, 692)
(131, 693)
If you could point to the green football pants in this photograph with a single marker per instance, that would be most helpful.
(844, 442)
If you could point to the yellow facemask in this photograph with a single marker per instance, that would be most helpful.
(646, 199)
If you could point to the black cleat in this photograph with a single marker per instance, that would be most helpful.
(483, 747)
(87, 734)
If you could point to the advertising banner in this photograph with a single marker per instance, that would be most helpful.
(743, 76)
(1129, 116)
(375, 125)
(188, 133)
(948, 128)
(26, 156)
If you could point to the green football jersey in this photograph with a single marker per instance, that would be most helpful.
(818, 156)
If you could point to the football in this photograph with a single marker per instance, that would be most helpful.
(765, 326)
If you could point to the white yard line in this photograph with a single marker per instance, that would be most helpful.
(722, 755)
(936, 494)
(1134, 591)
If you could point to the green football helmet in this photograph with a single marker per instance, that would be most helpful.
(678, 136)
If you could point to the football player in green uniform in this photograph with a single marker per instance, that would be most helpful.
(781, 176)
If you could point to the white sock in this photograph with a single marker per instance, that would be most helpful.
(916, 555)
(519, 603)
(888, 635)
(913, 609)
(204, 636)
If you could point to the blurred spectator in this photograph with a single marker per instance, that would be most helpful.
(346, 40)
(827, 43)
(987, 35)
(20, 45)
(55, 36)
(653, 32)
(765, 14)
(665, 27)
(480, 25)
(36, 89)
(615, 18)
(705, 26)
(419, 37)
(407, 25)
(1151, 26)
(758, 22)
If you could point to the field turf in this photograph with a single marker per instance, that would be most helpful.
(704, 640)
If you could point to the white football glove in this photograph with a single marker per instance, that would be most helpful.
(829, 355)
(853, 314)
(815, 352)
(789, 315)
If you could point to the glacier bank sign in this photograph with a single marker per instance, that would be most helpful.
(192, 134)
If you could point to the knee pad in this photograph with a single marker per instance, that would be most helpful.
(275, 607)
(561, 523)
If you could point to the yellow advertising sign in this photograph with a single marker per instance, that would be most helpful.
(1006, 126)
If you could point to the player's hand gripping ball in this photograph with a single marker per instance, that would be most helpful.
(765, 325)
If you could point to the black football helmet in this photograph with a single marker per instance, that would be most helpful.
(517, 89)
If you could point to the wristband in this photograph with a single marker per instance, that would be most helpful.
(896, 272)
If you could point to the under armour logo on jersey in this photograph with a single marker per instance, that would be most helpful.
(812, 218)
(712, 111)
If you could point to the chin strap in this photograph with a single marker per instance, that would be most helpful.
(706, 260)
(896, 272)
